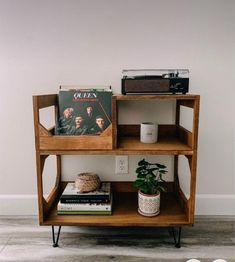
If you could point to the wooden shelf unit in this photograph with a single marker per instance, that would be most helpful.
(176, 209)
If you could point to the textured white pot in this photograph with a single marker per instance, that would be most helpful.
(149, 205)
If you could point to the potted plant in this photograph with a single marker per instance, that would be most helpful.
(150, 183)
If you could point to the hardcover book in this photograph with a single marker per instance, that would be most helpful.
(84, 111)
(85, 206)
(84, 212)
(89, 200)
(72, 195)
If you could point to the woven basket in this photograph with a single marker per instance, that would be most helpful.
(86, 182)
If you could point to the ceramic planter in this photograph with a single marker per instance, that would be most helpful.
(148, 132)
(148, 205)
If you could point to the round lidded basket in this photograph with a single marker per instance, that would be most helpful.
(86, 182)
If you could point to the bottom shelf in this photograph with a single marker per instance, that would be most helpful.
(125, 214)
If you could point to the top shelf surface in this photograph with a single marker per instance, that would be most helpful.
(157, 97)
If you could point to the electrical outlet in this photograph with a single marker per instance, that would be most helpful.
(121, 165)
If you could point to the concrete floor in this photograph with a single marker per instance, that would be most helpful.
(21, 239)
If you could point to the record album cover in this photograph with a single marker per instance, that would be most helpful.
(84, 112)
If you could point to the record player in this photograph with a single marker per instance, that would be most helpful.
(155, 81)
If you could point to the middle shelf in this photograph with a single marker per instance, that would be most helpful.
(172, 140)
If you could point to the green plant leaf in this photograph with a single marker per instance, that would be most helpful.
(160, 178)
(139, 183)
(161, 188)
(153, 169)
(160, 166)
(139, 169)
(152, 180)
(142, 163)
(140, 175)
(144, 189)
(162, 171)
(150, 177)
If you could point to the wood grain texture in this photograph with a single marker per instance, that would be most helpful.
(121, 139)
(44, 101)
(125, 214)
(157, 97)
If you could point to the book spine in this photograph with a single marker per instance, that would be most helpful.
(89, 201)
(84, 212)
(83, 207)
(77, 196)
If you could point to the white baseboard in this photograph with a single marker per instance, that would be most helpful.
(206, 204)
(211, 204)
(25, 205)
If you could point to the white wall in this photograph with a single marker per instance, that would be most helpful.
(44, 44)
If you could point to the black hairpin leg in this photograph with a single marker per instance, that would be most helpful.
(55, 240)
(176, 241)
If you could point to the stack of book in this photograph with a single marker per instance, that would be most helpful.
(73, 202)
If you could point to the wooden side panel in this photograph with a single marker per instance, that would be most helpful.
(184, 203)
(46, 205)
(185, 136)
(187, 103)
(50, 201)
(43, 131)
(114, 122)
(46, 100)
(40, 161)
(192, 160)
(196, 122)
